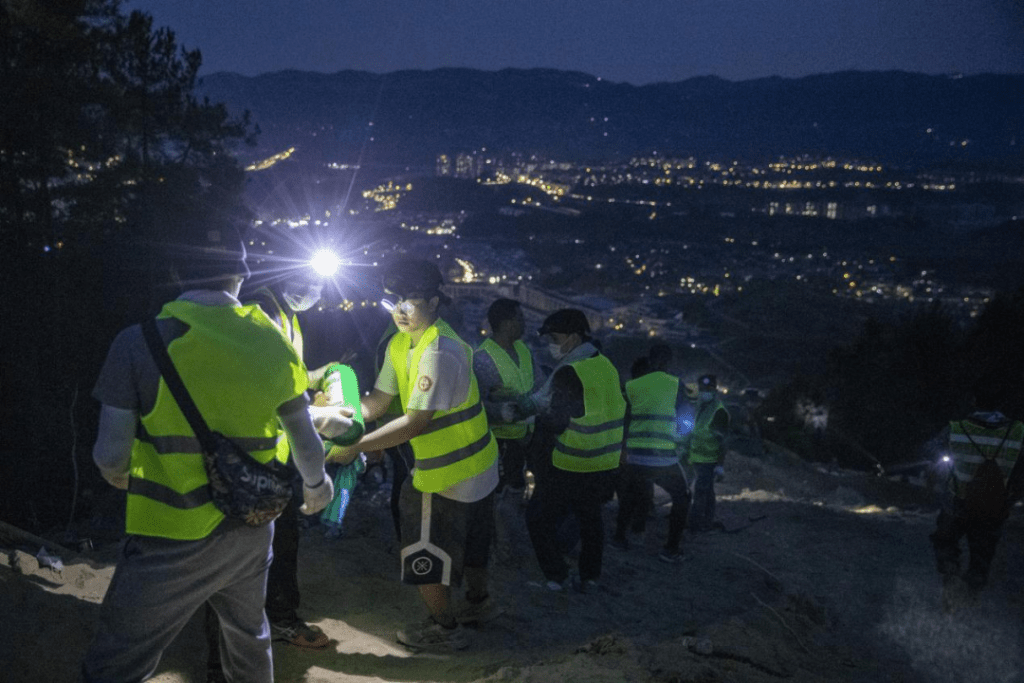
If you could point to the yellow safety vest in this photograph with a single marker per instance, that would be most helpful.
(704, 446)
(652, 425)
(238, 369)
(457, 444)
(516, 377)
(971, 443)
(593, 443)
(289, 325)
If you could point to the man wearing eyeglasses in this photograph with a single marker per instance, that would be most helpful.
(447, 503)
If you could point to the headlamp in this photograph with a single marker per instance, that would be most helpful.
(325, 262)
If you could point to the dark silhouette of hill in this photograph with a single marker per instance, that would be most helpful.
(407, 118)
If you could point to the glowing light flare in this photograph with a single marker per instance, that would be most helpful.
(325, 263)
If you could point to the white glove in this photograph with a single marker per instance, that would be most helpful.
(719, 473)
(318, 497)
(508, 412)
(331, 421)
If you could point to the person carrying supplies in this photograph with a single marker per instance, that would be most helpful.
(447, 502)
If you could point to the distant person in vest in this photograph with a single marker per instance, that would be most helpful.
(447, 504)
(180, 551)
(288, 293)
(652, 434)
(982, 485)
(508, 376)
(576, 450)
(706, 449)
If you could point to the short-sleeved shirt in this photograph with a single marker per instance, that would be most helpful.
(443, 383)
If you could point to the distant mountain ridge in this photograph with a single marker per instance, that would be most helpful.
(409, 117)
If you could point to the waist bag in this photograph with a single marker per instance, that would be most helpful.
(240, 486)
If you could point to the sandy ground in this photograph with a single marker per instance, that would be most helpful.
(822, 577)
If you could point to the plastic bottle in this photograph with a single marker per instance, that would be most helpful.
(342, 389)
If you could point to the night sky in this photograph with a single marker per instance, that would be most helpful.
(639, 42)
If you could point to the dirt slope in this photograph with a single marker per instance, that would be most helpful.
(822, 577)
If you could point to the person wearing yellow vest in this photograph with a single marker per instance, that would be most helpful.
(447, 501)
(297, 292)
(975, 504)
(652, 434)
(577, 448)
(507, 375)
(180, 552)
(706, 449)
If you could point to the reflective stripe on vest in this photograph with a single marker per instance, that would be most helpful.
(704, 445)
(516, 377)
(457, 444)
(226, 354)
(652, 424)
(593, 443)
(1002, 442)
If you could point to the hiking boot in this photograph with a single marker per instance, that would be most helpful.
(478, 612)
(430, 635)
(670, 556)
(300, 634)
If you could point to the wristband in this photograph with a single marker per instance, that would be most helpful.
(317, 485)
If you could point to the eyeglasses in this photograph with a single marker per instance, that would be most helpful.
(402, 304)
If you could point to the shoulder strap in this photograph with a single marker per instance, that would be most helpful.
(158, 350)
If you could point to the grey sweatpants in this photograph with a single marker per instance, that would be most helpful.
(159, 584)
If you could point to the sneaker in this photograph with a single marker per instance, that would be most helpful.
(557, 586)
(670, 557)
(478, 612)
(300, 634)
(584, 586)
(430, 635)
(619, 543)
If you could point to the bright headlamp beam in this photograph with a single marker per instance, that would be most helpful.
(326, 263)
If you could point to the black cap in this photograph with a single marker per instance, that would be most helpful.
(566, 321)
(413, 276)
(707, 382)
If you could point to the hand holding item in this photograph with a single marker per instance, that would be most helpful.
(342, 455)
(316, 498)
(331, 421)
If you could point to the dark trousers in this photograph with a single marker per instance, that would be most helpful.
(512, 463)
(702, 512)
(559, 494)
(982, 539)
(635, 490)
(399, 458)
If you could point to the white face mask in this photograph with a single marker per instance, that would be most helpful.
(556, 351)
(302, 298)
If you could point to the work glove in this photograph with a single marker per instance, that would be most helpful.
(719, 473)
(331, 421)
(508, 412)
(316, 498)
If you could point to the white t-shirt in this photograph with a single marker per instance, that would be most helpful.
(443, 383)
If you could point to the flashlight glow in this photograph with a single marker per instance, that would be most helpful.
(325, 263)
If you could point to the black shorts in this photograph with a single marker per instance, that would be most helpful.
(441, 536)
